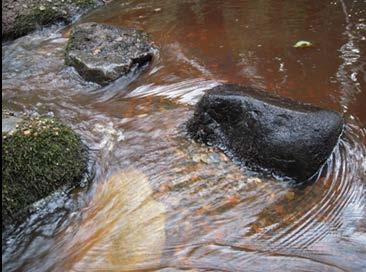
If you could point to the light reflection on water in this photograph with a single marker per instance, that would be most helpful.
(189, 205)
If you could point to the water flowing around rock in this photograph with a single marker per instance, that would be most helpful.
(103, 53)
(216, 215)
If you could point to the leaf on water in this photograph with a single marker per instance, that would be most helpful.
(302, 44)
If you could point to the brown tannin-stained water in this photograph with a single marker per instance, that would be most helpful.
(159, 202)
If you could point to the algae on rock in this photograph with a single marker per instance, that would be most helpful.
(39, 157)
(21, 17)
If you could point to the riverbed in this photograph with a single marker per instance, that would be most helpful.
(158, 201)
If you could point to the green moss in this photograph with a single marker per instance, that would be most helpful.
(43, 13)
(38, 16)
(41, 156)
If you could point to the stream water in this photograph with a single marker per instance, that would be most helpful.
(159, 202)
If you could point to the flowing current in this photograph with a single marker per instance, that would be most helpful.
(160, 202)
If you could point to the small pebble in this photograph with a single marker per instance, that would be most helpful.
(255, 228)
(213, 158)
(164, 188)
(290, 195)
(96, 51)
(223, 157)
(254, 180)
(196, 158)
(200, 158)
(233, 199)
(241, 184)
(204, 158)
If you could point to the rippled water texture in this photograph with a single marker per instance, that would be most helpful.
(161, 202)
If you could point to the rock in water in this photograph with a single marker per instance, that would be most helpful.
(39, 156)
(266, 131)
(123, 229)
(102, 53)
(21, 17)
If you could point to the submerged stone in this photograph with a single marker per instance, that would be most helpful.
(267, 132)
(123, 224)
(39, 156)
(103, 53)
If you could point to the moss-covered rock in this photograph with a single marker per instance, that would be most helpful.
(23, 16)
(39, 157)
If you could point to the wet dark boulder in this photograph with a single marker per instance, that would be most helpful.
(266, 132)
(102, 53)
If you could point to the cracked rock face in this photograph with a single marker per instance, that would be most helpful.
(103, 53)
(267, 132)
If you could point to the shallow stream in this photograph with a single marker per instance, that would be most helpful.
(159, 202)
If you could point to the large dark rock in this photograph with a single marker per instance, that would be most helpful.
(266, 131)
(102, 53)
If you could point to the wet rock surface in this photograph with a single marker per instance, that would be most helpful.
(264, 131)
(103, 53)
(131, 229)
(23, 16)
(39, 156)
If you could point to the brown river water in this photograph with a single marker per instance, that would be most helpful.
(160, 202)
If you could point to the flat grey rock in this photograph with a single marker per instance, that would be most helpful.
(266, 132)
(102, 53)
